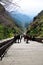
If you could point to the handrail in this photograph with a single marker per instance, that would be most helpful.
(4, 46)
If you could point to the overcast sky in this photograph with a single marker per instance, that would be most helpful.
(29, 7)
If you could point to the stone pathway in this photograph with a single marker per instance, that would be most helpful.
(24, 54)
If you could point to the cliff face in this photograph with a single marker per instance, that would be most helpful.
(36, 27)
(5, 18)
(7, 26)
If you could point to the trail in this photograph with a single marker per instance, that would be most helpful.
(24, 54)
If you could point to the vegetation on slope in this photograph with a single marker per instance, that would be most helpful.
(36, 27)
(7, 25)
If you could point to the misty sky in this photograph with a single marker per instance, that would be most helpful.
(29, 7)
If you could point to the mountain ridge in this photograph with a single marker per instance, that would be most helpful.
(20, 18)
(36, 27)
(8, 28)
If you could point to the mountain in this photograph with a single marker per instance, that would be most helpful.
(21, 19)
(36, 27)
(8, 28)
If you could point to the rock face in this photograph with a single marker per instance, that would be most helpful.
(5, 19)
(7, 26)
(36, 27)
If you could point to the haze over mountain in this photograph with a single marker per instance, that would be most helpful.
(22, 10)
(28, 7)
(21, 19)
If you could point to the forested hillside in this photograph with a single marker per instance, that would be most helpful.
(7, 26)
(36, 27)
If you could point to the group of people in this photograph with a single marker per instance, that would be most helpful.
(19, 38)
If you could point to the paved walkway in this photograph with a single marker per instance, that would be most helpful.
(24, 54)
